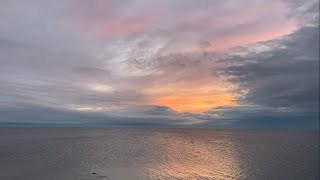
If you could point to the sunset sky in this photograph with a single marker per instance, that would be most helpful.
(170, 63)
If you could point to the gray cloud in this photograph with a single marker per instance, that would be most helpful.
(261, 117)
(279, 86)
(44, 116)
(286, 75)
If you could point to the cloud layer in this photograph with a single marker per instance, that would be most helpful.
(225, 64)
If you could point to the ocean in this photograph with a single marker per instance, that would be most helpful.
(156, 153)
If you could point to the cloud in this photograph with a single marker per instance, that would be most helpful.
(286, 75)
(261, 117)
(278, 86)
(142, 116)
(158, 63)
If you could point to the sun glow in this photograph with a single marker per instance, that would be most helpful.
(196, 103)
(194, 100)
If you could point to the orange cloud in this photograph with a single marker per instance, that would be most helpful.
(196, 103)
(194, 98)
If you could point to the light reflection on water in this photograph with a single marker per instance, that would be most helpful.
(191, 157)
(62, 153)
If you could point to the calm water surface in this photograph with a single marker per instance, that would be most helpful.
(80, 153)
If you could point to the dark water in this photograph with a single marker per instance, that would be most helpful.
(66, 153)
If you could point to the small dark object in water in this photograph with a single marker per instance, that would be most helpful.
(93, 173)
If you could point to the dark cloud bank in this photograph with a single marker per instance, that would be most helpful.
(281, 84)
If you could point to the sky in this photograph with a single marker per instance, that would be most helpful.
(250, 64)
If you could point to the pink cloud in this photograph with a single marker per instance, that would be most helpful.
(229, 27)
(124, 26)
(225, 26)
(253, 36)
(213, 17)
